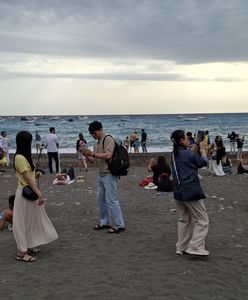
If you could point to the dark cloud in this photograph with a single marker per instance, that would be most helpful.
(186, 31)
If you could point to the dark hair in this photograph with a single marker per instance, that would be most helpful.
(94, 126)
(23, 146)
(162, 162)
(176, 137)
(219, 143)
(51, 129)
(11, 202)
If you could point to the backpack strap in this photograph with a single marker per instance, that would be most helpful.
(108, 160)
(105, 138)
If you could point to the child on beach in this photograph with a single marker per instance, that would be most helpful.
(6, 216)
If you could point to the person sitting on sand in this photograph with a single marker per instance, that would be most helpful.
(243, 164)
(161, 174)
(65, 177)
(226, 164)
(7, 215)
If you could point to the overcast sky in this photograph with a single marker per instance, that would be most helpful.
(123, 56)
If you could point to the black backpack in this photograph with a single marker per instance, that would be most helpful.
(119, 163)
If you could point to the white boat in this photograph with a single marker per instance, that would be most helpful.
(125, 118)
(191, 119)
(30, 119)
(2, 119)
(83, 117)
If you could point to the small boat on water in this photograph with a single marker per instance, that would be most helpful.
(83, 117)
(28, 119)
(2, 119)
(125, 118)
(191, 119)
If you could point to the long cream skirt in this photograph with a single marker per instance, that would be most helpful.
(31, 225)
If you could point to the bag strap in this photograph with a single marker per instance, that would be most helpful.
(107, 160)
(175, 168)
(105, 138)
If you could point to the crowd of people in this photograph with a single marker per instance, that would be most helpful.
(32, 227)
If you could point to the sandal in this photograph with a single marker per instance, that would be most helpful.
(116, 230)
(101, 227)
(33, 250)
(25, 258)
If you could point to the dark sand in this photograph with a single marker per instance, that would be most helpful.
(139, 263)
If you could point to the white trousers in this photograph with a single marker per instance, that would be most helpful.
(193, 225)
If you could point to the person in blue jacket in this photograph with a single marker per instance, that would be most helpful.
(193, 218)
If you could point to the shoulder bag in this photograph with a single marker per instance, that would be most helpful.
(29, 194)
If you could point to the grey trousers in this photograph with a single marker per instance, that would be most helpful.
(193, 225)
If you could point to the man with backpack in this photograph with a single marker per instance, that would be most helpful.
(104, 151)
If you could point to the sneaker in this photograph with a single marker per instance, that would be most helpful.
(201, 252)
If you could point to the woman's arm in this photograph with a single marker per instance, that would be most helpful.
(150, 165)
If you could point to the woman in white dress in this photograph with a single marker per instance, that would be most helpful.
(31, 225)
(216, 152)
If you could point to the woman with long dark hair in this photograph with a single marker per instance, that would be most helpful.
(193, 219)
(31, 225)
(81, 144)
(161, 173)
(216, 152)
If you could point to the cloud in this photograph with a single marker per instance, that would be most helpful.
(117, 77)
(187, 31)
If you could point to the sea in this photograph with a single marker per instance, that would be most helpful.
(158, 127)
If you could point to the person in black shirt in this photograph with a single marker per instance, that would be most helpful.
(143, 140)
(232, 139)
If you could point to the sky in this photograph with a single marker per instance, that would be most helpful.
(90, 57)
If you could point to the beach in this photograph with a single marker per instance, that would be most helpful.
(139, 263)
